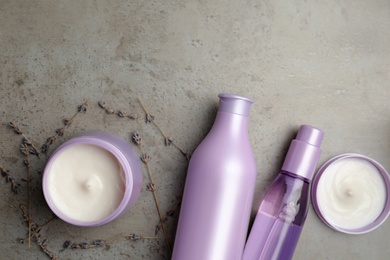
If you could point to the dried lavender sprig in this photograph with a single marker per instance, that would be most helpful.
(20, 240)
(60, 131)
(160, 225)
(101, 243)
(39, 227)
(27, 163)
(119, 113)
(84, 245)
(137, 139)
(15, 187)
(172, 211)
(135, 237)
(26, 140)
(168, 214)
(149, 118)
(35, 233)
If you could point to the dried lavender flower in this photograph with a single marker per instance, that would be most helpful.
(66, 244)
(160, 225)
(44, 148)
(109, 111)
(170, 213)
(150, 187)
(102, 104)
(82, 108)
(15, 128)
(33, 151)
(99, 243)
(27, 141)
(15, 187)
(120, 113)
(84, 245)
(145, 158)
(168, 141)
(60, 131)
(133, 237)
(75, 246)
(27, 163)
(133, 116)
(23, 149)
(66, 122)
(43, 243)
(50, 140)
(149, 118)
(137, 138)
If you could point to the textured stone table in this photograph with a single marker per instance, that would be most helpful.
(324, 63)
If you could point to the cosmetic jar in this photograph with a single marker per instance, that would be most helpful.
(350, 193)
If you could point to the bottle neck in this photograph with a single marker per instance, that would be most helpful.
(230, 125)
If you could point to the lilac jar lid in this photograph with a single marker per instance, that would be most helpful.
(351, 193)
(118, 152)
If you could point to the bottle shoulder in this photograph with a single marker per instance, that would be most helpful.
(210, 161)
(217, 143)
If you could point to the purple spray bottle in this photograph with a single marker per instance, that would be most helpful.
(219, 188)
(282, 213)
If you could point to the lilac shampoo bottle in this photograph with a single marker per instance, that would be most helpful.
(282, 213)
(219, 188)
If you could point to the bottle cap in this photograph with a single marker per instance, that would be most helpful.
(234, 104)
(350, 193)
(304, 152)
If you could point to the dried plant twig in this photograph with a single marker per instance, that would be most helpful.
(15, 187)
(103, 243)
(172, 211)
(149, 118)
(54, 217)
(60, 131)
(119, 113)
(35, 233)
(135, 237)
(168, 214)
(84, 245)
(137, 139)
(26, 140)
(28, 180)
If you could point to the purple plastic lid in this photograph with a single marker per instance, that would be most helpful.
(336, 168)
(304, 152)
(234, 104)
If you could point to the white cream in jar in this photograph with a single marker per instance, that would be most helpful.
(86, 182)
(92, 179)
(350, 193)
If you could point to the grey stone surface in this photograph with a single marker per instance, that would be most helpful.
(324, 63)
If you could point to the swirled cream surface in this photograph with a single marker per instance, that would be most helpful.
(86, 182)
(351, 193)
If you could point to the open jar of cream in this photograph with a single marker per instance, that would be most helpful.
(92, 179)
(351, 193)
